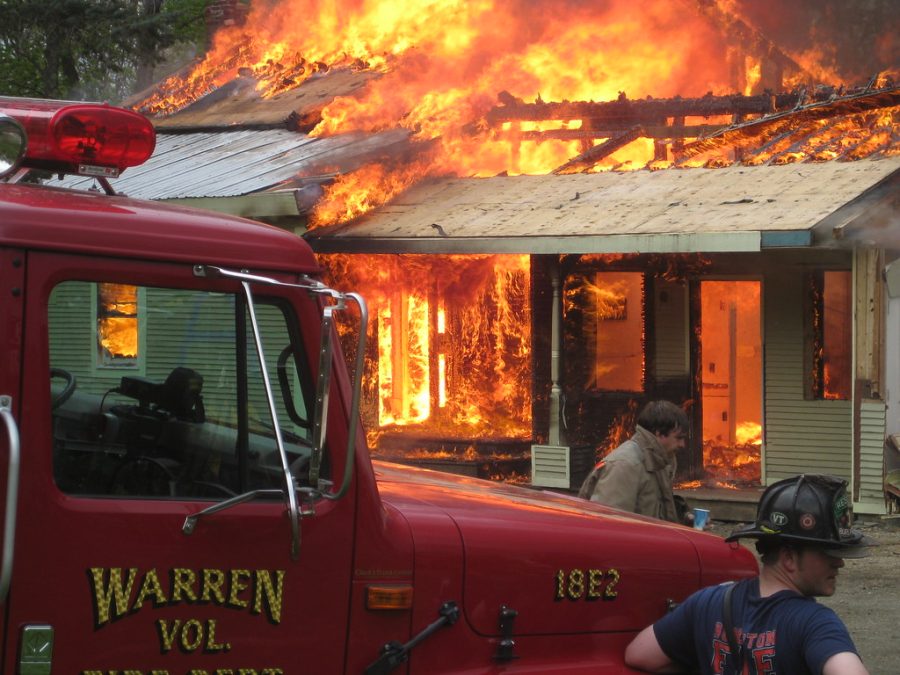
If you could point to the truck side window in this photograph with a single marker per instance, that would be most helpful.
(186, 416)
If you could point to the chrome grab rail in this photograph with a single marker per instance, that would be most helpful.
(12, 496)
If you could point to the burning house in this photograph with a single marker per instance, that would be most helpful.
(731, 298)
(559, 215)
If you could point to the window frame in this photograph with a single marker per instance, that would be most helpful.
(136, 365)
(289, 319)
(814, 344)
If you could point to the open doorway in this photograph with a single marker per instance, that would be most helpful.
(731, 381)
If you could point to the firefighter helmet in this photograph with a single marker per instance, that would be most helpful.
(808, 509)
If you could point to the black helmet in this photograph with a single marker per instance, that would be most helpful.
(808, 509)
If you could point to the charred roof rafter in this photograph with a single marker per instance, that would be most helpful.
(752, 119)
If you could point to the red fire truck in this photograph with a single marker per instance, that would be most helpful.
(185, 485)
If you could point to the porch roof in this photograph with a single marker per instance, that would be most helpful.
(737, 208)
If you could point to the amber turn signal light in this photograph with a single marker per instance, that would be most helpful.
(389, 596)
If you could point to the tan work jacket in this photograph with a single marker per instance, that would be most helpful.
(637, 477)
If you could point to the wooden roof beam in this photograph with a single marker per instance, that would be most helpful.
(590, 157)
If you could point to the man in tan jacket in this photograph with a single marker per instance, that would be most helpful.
(637, 476)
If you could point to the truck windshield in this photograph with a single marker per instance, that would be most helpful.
(158, 393)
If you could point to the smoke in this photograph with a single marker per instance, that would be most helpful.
(855, 38)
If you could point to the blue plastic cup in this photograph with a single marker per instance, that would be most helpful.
(701, 517)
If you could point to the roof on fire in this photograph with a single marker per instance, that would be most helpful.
(737, 208)
(234, 150)
(239, 102)
(237, 170)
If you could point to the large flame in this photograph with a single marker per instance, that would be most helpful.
(438, 66)
(448, 59)
(453, 332)
(453, 348)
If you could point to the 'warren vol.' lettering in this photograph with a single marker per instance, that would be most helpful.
(118, 591)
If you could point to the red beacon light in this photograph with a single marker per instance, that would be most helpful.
(89, 139)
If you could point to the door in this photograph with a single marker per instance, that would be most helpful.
(731, 380)
(155, 410)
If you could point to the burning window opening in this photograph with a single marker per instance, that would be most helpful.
(619, 331)
(117, 325)
(450, 355)
(404, 359)
(652, 369)
(831, 319)
(731, 381)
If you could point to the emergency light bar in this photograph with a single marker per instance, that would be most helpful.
(90, 139)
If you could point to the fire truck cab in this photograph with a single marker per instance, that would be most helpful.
(185, 488)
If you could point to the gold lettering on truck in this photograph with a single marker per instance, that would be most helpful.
(589, 584)
(110, 589)
(118, 591)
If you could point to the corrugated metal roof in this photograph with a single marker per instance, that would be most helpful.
(729, 209)
(231, 163)
(238, 102)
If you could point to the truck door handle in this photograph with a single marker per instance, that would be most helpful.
(12, 496)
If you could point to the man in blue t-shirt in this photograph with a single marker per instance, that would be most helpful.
(769, 624)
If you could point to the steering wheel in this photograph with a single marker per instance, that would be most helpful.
(67, 390)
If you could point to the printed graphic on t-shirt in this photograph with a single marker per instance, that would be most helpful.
(758, 650)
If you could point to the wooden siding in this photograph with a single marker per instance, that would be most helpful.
(800, 435)
(872, 418)
(73, 338)
(869, 310)
(197, 333)
(671, 330)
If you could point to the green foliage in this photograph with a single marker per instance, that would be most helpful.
(80, 49)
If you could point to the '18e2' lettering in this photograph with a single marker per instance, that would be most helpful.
(590, 584)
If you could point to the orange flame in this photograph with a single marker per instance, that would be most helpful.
(355, 193)
(117, 327)
(437, 66)
(452, 343)
(748, 433)
(118, 336)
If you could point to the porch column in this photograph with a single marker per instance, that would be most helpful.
(556, 434)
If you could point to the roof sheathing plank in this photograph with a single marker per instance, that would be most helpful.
(240, 103)
(669, 210)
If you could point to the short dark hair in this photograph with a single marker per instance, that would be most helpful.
(769, 548)
(663, 417)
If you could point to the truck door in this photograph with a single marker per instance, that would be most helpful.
(143, 403)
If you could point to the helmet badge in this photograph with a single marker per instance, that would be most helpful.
(778, 519)
(807, 521)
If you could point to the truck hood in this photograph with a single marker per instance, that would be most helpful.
(564, 564)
